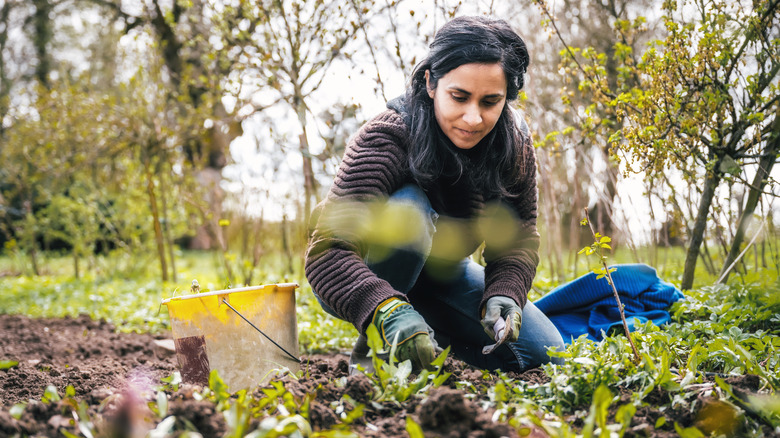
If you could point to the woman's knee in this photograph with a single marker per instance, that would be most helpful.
(538, 336)
(401, 237)
(415, 211)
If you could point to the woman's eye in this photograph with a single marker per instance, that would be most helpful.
(490, 102)
(457, 98)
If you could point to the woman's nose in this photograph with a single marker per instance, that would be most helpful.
(472, 116)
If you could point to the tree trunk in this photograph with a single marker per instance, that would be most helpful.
(167, 227)
(700, 224)
(309, 183)
(759, 182)
(709, 264)
(43, 33)
(576, 210)
(158, 234)
(5, 82)
(286, 245)
(29, 232)
(552, 220)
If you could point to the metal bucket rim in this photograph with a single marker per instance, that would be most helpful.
(230, 291)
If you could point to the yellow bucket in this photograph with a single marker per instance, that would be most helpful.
(210, 334)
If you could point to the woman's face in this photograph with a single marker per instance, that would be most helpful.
(468, 101)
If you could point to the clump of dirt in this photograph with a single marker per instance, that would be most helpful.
(359, 388)
(321, 417)
(201, 414)
(447, 413)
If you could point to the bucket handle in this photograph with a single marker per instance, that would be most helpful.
(260, 331)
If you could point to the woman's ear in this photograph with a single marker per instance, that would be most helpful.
(428, 83)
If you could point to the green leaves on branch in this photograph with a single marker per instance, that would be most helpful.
(602, 242)
(599, 244)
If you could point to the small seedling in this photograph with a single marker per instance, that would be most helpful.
(601, 243)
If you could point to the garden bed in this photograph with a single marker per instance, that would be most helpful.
(103, 381)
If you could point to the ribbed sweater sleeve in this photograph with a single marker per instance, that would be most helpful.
(374, 166)
(510, 268)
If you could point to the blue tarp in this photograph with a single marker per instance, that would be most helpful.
(587, 305)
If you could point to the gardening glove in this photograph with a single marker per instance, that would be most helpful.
(398, 322)
(502, 318)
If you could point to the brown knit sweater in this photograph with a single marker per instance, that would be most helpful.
(374, 166)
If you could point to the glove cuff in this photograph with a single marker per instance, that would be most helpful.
(385, 308)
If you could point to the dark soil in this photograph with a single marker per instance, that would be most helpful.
(114, 376)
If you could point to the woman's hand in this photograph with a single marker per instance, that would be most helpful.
(398, 323)
(504, 308)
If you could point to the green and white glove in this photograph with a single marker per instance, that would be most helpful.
(502, 313)
(398, 322)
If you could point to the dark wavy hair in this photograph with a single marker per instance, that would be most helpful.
(494, 164)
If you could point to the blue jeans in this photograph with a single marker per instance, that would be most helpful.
(450, 304)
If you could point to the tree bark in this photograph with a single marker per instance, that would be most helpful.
(29, 228)
(756, 188)
(76, 270)
(167, 227)
(43, 33)
(5, 82)
(697, 236)
(309, 183)
(158, 234)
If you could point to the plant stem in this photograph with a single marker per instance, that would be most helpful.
(614, 290)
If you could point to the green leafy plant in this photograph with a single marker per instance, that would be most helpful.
(392, 377)
(601, 243)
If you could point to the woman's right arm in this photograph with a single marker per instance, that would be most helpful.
(373, 167)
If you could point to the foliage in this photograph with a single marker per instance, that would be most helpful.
(703, 99)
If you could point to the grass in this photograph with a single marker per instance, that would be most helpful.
(718, 332)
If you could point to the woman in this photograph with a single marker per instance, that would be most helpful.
(420, 188)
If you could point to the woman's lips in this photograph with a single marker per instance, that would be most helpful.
(467, 133)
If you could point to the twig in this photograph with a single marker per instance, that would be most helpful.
(726, 272)
(614, 290)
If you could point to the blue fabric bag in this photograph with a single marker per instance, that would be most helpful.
(587, 305)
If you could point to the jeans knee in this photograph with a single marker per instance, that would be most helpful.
(408, 220)
(411, 196)
(403, 241)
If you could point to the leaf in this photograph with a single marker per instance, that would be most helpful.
(584, 221)
(17, 410)
(602, 398)
(660, 422)
(50, 395)
(8, 364)
(413, 429)
(605, 239)
(688, 432)
(403, 371)
(439, 361)
(374, 341)
(218, 386)
(584, 361)
(729, 165)
(162, 404)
